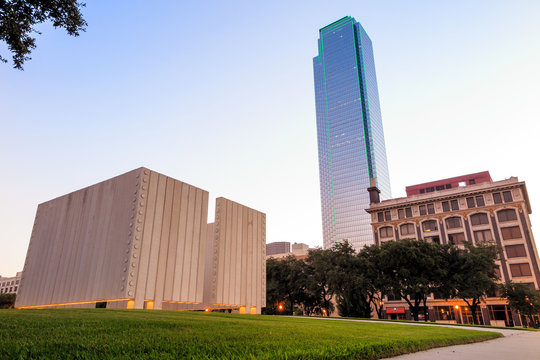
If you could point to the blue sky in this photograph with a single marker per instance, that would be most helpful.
(220, 95)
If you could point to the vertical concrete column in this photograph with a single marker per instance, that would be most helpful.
(516, 318)
(485, 315)
(442, 231)
(500, 245)
(418, 232)
(468, 229)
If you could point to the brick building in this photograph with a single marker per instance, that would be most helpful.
(478, 211)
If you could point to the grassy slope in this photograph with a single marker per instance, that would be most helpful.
(102, 333)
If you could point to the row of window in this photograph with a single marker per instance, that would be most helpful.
(8, 290)
(508, 233)
(452, 205)
(454, 222)
(7, 283)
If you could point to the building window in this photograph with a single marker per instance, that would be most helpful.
(518, 270)
(448, 186)
(507, 196)
(511, 232)
(430, 189)
(430, 225)
(380, 217)
(430, 209)
(444, 313)
(386, 232)
(497, 198)
(408, 212)
(479, 219)
(456, 239)
(400, 214)
(453, 222)
(422, 191)
(422, 209)
(506, 215)
(499, 312)
(513, 251)
(470, 202)
(480, 200)
(392, 297)
(454, 205)
(445, 206)
(387, 216)
(407, 229)
(483, 236)
(439, 187)
(472, 182)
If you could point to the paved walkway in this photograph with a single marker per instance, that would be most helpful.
(516, 344)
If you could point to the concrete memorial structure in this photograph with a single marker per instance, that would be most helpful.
(138, 240)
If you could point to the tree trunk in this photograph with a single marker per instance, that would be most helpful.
(425, 309)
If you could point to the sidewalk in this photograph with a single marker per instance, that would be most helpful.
(516, 344)
(522, 346)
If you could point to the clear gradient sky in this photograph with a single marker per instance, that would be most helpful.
(220, 94)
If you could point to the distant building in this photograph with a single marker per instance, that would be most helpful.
(10, 285)
(278, 247)
(480, 211)
(139, 240)
(300, 248)
(299, 251)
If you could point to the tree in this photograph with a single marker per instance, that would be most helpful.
(319, 268)
(19, 17)
(376, 282)
(7, 301)
(415, 269)
(472, 274)
(522, 298)
(284, 279)
(348, 282)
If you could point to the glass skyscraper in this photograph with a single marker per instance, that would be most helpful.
(350, 134)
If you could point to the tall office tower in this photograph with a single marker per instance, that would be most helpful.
(352, 153)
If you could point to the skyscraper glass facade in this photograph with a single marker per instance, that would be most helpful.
(350, 133)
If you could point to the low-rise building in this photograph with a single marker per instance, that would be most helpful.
(299, 250)
(477, 211)
(278, 247)
(10, 285)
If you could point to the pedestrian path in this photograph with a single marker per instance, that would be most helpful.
(516, 344)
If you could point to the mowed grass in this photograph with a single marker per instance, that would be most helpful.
(135, 334)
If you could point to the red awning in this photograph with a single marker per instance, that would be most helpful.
(395, 310)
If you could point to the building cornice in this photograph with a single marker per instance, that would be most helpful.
(451, 194)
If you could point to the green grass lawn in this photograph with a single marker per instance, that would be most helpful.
(132, 334)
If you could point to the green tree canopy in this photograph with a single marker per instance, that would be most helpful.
(18, 19)
(522, 298)
(415, 269)
(284, 284)
(472, 273)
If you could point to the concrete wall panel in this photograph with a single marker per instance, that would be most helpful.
(240, 238)
(139, 236)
